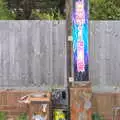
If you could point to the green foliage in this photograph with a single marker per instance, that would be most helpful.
(3, 116)
(104, 9)
(96, 116)
(52, 11)
(5, 14)
(52, 14)
(23, 116)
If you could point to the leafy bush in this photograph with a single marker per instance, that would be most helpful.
(3, 116)
(53, 14)
(104, 9)
(5, 14)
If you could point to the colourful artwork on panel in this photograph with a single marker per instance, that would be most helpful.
(81, 104)
(80, 39)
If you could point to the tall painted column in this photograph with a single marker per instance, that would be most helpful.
(80, 39)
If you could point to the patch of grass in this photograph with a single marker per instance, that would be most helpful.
(3, 116)
(22, 116)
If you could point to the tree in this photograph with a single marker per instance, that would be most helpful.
(26, 5)
(104, 9)
(24, 8)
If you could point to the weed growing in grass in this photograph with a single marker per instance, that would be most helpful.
(96, 116)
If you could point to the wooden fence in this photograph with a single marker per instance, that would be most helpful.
(32, 53)
(103, 103)
(104, 53)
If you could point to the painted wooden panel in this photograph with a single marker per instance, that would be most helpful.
(80, 103)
